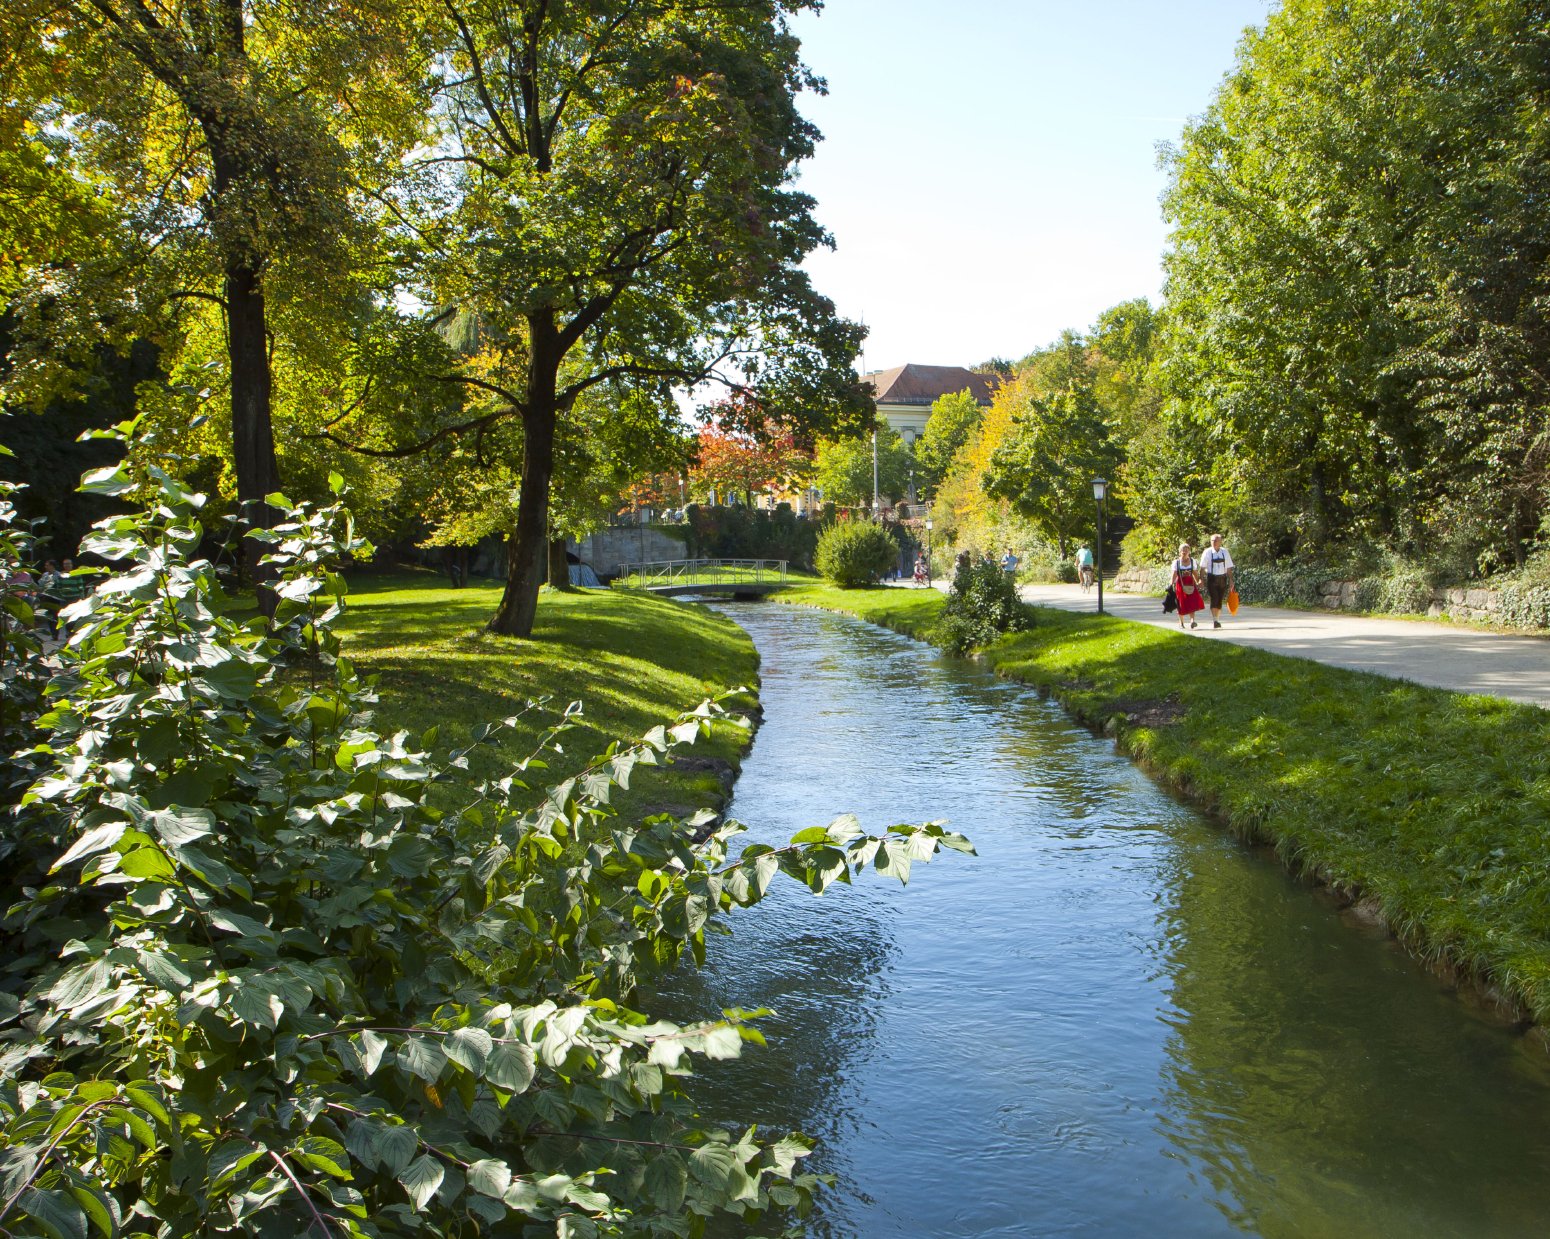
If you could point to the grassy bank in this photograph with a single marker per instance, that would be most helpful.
(634, 661)
(1430, 807)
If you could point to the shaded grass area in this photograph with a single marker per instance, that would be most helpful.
(634, 660)
(1431, 807)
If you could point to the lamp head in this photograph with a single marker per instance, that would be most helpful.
(1100, 489)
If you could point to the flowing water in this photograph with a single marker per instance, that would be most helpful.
(1115, 1020)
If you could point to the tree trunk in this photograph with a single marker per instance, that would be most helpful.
(527, 553)
(559, 564)
(252, 432)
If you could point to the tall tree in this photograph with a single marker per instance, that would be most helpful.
(953, 419)
(1357, 287)
(844, 467)
(623, 216)
(1059, 443)
(234, 132)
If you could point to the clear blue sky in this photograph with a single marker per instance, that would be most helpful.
(989, 167)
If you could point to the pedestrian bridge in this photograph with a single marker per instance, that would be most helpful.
(741, 578)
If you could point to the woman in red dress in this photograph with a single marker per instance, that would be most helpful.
(1186, 585)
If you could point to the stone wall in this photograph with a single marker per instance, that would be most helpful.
(606, 549)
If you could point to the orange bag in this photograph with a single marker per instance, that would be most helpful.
(1232, 602)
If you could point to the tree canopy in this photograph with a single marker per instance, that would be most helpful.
(1357, 281)
(620, 214)
(843, 471)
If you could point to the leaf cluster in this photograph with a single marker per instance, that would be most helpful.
(268, 972)
(855, 554)
(981, 605)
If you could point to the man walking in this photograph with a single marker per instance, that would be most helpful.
(1219, 577)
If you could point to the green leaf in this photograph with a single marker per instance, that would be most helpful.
(396, 1147)
(111, 480)
(723, 1041)
(236, 923)
(165, 970)
(843, 828)
(764, 870)
(149, 1102)
(370, 1046)
(321, 1153)
(148, 864)
(178, 827)
(469, 1048)
(665, 1181)
(81, 985)
(719, 1167)
(421, 1056)
(421, 1179)
(254, 1002)
(230, 1158)
(511, 1067)
(486, 1210)
(491, 1177)
(57, 1213)
(98, 1207)
(96, 840)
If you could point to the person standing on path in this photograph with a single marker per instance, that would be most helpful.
(1186, 585)
(1219, 576)
(1009, 564)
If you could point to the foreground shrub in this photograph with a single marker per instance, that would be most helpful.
(982, 605)
(854, 554)
(256, 979)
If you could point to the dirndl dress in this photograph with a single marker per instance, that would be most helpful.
(1188, 589)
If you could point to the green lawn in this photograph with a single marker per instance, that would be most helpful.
(1432, 805)
(633, 659)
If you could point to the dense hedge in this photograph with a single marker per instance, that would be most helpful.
(982, 604)
(737, 532)
(854, 554)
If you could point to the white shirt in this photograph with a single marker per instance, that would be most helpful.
(1216, 561)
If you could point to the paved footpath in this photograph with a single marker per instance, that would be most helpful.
(1442, 655)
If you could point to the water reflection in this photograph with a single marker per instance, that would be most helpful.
(1113, 1021)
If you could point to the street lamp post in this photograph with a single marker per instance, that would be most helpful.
(874, 473)
(1100, 492)
(928, 552)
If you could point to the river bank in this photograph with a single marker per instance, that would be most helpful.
(1421, 808)
(631, 659)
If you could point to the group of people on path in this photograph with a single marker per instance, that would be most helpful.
(1215, 571)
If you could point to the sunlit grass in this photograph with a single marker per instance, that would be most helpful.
(1433, 804)
(632, 659)
(908, 610)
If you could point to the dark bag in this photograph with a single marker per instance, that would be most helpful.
(1170, 601)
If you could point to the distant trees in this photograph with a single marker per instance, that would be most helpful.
(844, 467)
(735, 463)
(953, 419)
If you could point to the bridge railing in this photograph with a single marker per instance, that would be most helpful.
(655, 574)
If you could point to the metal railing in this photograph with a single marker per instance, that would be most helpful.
(655, 574)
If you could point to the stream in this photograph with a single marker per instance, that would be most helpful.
(1115, 1020)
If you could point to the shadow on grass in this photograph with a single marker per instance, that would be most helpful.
(633, 660)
